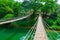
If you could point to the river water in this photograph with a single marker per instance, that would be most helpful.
(13, 34)
(19, 33)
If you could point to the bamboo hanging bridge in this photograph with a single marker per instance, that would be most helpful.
(38, 30)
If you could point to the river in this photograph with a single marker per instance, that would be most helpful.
(13, 34)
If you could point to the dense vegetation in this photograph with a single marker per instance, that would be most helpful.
(10, 9)
(53, 18)
(49, 8)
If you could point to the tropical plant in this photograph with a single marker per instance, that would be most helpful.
(11, 7)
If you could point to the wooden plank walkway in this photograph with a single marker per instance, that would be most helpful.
(40, 31)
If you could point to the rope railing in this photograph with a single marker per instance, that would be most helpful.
(51, 28)
(2, 20)
(52, 36)
(16, 19)
(31, 33)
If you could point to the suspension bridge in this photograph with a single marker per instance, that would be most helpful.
(37, 32)
(39, 29)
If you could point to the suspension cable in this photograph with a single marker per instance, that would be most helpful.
(52, 30)
(17, 19)
(30, 31)
(51, 36)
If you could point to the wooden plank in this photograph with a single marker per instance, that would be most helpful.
(40, 31)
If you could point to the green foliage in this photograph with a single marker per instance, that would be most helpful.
(48, 8)
(49, 21)
(8, 16)
(54, 23)
(58, 22)
(27, 23)
(27, 5)
(53, 16)
(5, 8)
(12, 7)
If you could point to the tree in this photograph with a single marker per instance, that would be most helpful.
(10, 7)
(49, 7)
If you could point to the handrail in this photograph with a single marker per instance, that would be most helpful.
(30, 32)
(17, 19)
(50, 27)
(51, 36)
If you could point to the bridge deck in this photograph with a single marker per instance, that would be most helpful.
(40, 31)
